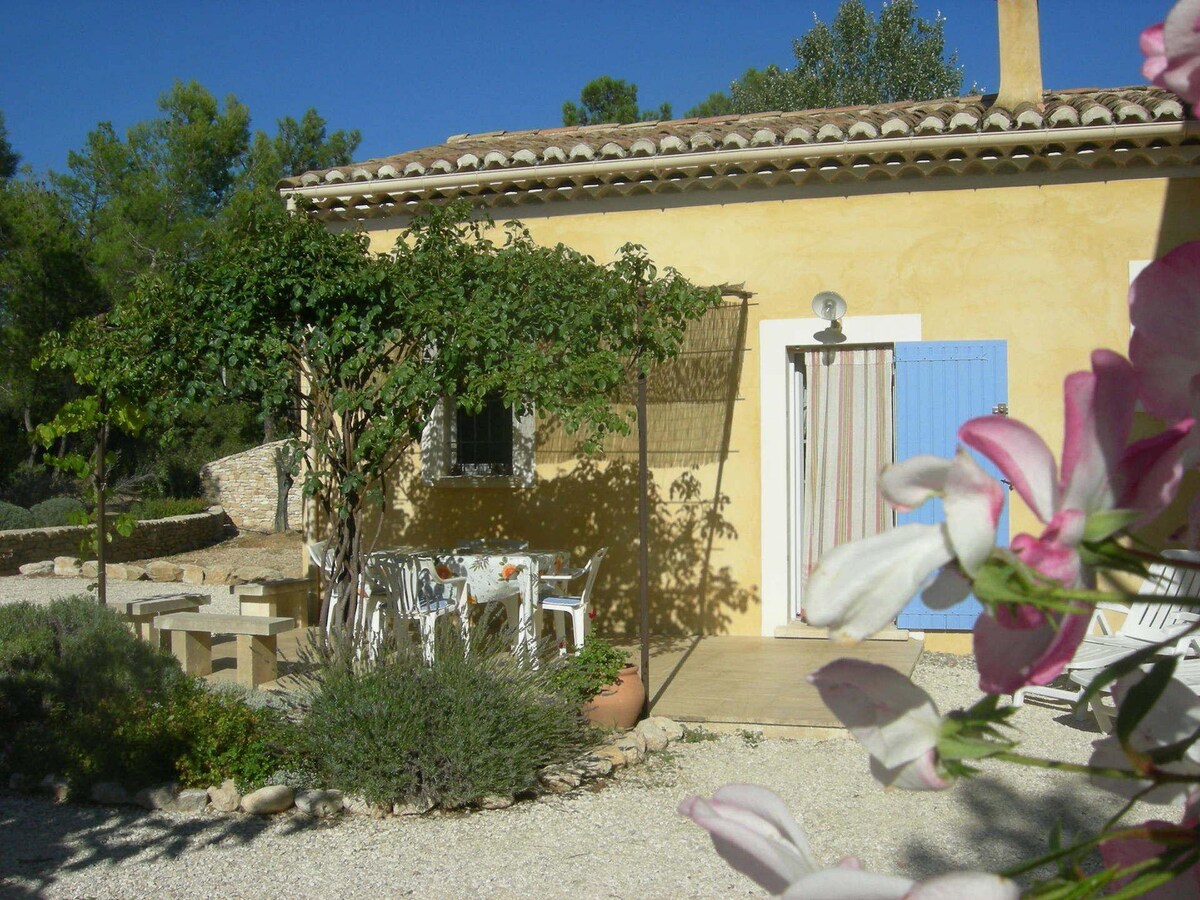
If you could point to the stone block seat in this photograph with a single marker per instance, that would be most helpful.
(278, 597)
(141, 613)
(191, 642)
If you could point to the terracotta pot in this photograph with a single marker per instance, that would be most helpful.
(619, 704)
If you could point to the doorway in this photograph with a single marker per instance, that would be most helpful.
(842, 413)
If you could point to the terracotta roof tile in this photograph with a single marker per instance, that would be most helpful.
(963, 116)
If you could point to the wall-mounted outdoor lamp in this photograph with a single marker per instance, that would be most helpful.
(831, 307)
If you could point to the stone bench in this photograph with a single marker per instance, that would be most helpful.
(191, 642)
(141, 613)
(279, 597)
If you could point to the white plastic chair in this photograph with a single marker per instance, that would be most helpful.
(413, 590)
(368, 615)
(578, 606)
(317, 552)
(1145, 623)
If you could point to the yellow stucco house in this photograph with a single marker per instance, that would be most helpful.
(982, 248)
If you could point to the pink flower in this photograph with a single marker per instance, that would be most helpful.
(1016, 646)
(1129, 851)
(754, 832)
(895, 721)
(1172, 50)
(1164, 308)
(858, 588)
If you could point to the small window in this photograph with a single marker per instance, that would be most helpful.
(492, 446)
(481, 443)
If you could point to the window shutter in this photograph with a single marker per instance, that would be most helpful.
(939, 385)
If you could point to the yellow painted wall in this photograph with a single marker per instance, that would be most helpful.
(1044, 268)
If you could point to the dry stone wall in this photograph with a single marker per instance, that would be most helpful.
(244, 484)
(159, 537)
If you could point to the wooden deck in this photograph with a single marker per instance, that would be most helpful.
(726, 683)
(733, 683)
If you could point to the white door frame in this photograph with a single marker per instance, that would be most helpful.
(777, 338)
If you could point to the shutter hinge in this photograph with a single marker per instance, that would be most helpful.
(1000, 409)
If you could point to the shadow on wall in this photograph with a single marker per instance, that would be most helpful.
(590, 502)
(593, 505)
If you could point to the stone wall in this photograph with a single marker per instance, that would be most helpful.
(244, 484)
(159, 537)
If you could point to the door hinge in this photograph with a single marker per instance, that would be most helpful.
(1000, 409)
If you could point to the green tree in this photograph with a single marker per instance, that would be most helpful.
(379, 339)
(607, 100)
(296, 146)
(9, 158)
(45, 284)
(715, 104)
(146, 199)
(857, 59)
(128, 365)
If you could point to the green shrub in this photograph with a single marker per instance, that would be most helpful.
(165, 507)
(470, 725)
(83, 698)
(14, 517)
(580, 677)
(71, 676)
(56, 511)
(215, 735)
(30, 483)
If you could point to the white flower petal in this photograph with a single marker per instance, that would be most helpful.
(849, 884)
(753, 831)
(894, 720)
(920, 774)
(973, 503)
(858, 588)
(959, 885)
(908, 484)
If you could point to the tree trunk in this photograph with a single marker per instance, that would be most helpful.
(27, 414)
(340, 605)
(101, 524)
(285, 462)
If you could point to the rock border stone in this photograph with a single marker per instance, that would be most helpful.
(157, 570)
(623, 750)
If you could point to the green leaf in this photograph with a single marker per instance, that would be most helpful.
(1105, 524)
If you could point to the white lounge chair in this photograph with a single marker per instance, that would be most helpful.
(578, 606)
(1145, 623)
(1187, 671)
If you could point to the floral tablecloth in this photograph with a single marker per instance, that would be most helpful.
(495, 576)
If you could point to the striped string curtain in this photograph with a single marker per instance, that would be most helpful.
(848, 440)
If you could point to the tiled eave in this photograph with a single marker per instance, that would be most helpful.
(846, 162)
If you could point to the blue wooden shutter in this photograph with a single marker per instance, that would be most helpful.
(939, 385)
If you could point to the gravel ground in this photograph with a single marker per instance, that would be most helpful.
(43, 589)
(621, 841)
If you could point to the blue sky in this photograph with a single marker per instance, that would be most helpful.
(407, 75)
